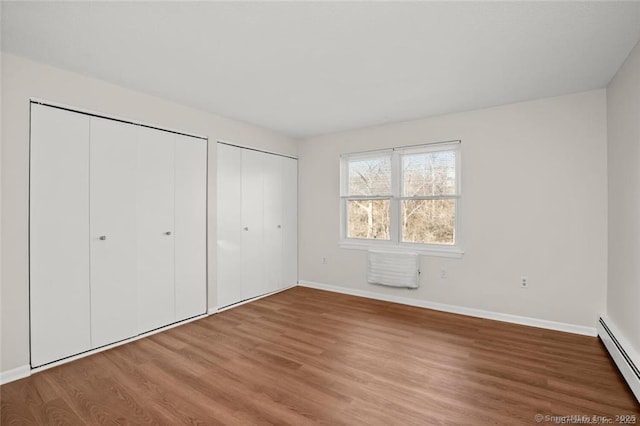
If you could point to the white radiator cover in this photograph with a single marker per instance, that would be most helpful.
(394, 269)
(626, 359)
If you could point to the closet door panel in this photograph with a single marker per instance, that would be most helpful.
(113, 235)
(290, 222)
(273, 203)
(253, 252)
(190, 227)
(59, 234)
(229, 225)
(155, 228)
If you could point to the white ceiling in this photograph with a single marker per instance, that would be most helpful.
(308, 68)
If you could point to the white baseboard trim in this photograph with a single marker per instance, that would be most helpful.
(15, 374)
(626, 359)
(213, 310)
(478, 313)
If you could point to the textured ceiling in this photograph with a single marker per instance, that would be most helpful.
(308, 68)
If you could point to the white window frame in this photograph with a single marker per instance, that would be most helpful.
(395, 243)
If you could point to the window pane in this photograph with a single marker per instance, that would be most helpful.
(428, 221)
(429, 173)
(368, 219)
(371, 176)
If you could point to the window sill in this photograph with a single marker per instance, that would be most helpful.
(450, 252)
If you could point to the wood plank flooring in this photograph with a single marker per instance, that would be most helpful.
(306, 356)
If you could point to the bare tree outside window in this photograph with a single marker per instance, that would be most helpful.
(430, 180)
(369, 217)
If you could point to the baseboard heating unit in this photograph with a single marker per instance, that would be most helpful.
(393, 269)
(623, 355)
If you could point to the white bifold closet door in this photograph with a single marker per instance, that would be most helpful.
(229, 229)
(190, 224)
(252, 251)
(257, 223)
(113, 236)
(59, 234)
(155, 231)
(289, 222)
(273, 209)
(172, 230)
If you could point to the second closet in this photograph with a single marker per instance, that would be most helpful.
(257, 223)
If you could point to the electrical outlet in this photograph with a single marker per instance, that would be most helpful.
(443, 274)
(524, 282)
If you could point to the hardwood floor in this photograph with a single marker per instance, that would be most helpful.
(306, 356)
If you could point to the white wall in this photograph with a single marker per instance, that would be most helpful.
(534, 203)
(22, 79)
(623, 120)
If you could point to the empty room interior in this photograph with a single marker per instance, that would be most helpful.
(305, 212)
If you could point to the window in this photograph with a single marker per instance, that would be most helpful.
(404, 197)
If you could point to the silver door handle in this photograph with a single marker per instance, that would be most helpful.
(103, 237)
(167, 233)
(246, 228)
